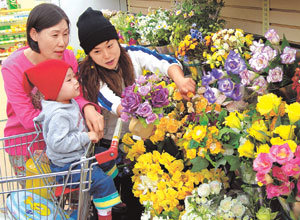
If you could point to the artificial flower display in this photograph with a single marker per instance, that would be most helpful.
(145, 99)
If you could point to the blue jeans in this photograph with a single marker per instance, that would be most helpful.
(102, 185)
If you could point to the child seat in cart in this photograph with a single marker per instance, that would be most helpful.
(36, 195)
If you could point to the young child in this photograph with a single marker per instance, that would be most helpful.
(64, 129)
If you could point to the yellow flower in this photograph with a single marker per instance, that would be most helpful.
(199, 132)
(263, 148)
(259, 131)
(127, 139)
(177, 96)
(162, 83)
(293, 111)
(137, 149)
(279, 141)
(215, 147)
(191, 153)
(285, 131)
(233, 121)
(246, 150)
(159, 135)
(201, 152)
(267, 103)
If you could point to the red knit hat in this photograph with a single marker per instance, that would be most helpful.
(47, 76)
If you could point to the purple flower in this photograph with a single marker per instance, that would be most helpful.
(275, 75)
(144, 90)
(124, 116)
(130, 101)
(128, 89)
(208, 79)
(160, 97)
(211, 94)
(256, 47)
(234, 63)
(151, 118)
(246, 77)
(237, 92)
(259, 62)
(260, 85)
(269, 53)
(217, 73)
(272, 36)
(144, 109)
(141, 80)
(225, 85)
(288, 56)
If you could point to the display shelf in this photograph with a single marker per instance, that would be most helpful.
(12, 30)
(12, 41)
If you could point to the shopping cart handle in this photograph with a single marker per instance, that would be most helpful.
(112, 152)
(109, 154)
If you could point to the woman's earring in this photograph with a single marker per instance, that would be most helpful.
(92, 66)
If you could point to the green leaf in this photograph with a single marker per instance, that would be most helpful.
(222, 115)
(278, 122)
(199, 164)
(233, 161)
(193, 144)
(220, 162)
(285, 43)
(203, 120)
(226, 130)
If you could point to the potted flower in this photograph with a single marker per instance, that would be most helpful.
(125, 24)
(144, 103)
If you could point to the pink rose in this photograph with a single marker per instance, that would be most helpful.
(261, 177)
(263, 163)
(281, 153)
(279, 174)
(286, 188)
(272, 191)
(291, 169)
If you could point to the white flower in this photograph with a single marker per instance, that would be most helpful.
(146, 215)
(243, 199)
(204, 190)
(226, 204)
(238, 209)
(215, 187)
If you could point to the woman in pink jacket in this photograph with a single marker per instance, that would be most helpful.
(47, 37)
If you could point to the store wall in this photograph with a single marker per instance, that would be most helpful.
(74, 8)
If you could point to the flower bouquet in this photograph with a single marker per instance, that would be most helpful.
(126, 27)
(211, 201)
(190, 52)
(246, 67)
(144, 102)
(154, 28)
(204, 13)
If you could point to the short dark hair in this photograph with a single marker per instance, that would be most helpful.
(43, 16)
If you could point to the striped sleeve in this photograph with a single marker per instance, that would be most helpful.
(144, 58)
(108, 99)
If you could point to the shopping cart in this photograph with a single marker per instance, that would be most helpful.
(42, 197)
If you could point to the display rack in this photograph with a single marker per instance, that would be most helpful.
(12, 30)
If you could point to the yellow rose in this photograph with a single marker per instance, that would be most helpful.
(259, 131)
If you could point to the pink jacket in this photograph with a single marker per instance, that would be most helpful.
(20, 110)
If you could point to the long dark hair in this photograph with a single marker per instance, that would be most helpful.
(43, 16)
(90, 75)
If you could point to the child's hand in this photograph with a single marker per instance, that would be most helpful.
(93, 136)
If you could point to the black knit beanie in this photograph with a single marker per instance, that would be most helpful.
(93, 29)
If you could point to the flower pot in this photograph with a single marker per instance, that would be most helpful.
(195, 68)
(138, 129)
